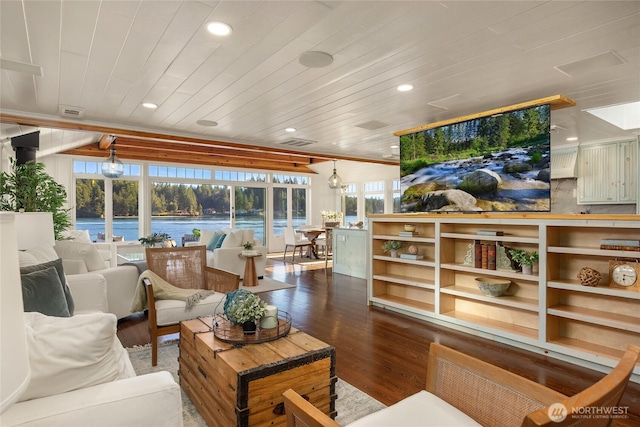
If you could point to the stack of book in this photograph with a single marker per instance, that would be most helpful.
(407, 233)
(489, 233)
(484, 255)
(620, 244)
(411, 256)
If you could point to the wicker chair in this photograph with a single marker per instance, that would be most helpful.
(485, 393)
(183, 267)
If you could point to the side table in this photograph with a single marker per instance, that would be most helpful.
(250, 274)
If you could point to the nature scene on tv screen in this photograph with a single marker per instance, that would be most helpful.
(496, 163)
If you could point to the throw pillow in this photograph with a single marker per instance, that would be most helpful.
(43, 253)
(42, 292)
(85, 251)
(73, 352)
(57, 264)
(205, 236)
(81, 236)
(221, 240)
(214, 241)
(233, 239)
(248, 235)
(25, 259)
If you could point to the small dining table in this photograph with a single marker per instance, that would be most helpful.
(312, 235)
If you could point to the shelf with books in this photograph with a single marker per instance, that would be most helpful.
(587, 324)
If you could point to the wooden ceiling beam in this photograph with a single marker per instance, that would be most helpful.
(556, 102)
(105, 142)
(126, 144)
(210, 159)
(186, 142)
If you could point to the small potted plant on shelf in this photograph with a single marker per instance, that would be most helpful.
(244, 308)
(392, 247)
(524, 258)
(156, 240)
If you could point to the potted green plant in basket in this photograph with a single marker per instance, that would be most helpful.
(29, 188)
(392, 247)
(244, 308)
(524, 258)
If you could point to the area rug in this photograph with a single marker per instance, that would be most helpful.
(351, 404)
(267, 284)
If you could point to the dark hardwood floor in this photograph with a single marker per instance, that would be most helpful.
(384, 353)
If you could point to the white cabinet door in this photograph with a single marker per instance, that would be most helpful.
(628, 171)
(608, 173)
(598, 177)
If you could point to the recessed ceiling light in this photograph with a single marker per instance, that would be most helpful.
(405, 88)
(315, 59)
(624, 116)
(290, 129)
(208, 123)
(219, 28)
(572, 138)
(150, 105)
(395, 146)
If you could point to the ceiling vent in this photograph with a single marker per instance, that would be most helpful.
(298, 142)
(604, 60)
(563, 163)
(372, 125)
(72, 112)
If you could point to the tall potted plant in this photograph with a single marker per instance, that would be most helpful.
(28, 187)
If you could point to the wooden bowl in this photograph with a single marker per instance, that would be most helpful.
(409, 227)
(493, 287)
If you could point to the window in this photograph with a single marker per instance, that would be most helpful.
(350, 203)
(177, 209)
(373, 198)
(397, 196)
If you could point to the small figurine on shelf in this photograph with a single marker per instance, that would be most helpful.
(392, 247)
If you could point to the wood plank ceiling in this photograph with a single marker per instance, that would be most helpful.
(103, 59)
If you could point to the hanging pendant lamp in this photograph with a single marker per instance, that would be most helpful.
(112, 166)
(334, 180)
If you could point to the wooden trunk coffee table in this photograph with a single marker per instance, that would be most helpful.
(235, 385)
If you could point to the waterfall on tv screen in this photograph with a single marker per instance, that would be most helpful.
(499, 163)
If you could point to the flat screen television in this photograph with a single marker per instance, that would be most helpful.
(499, 163)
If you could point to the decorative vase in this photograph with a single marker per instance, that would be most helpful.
(249, 327)
(527, 269)
(394, 253)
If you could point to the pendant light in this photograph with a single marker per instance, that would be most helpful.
(334, 180)
(112, 166)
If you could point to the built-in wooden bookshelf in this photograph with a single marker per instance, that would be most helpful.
(549, 309)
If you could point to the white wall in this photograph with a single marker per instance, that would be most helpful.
(324, 198)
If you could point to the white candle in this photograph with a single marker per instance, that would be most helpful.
(270, 318)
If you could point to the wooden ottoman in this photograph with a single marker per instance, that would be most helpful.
(243, 385)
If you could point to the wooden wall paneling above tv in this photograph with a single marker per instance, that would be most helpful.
(556, 102)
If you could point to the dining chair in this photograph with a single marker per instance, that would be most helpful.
(186, 268)
(295, 240)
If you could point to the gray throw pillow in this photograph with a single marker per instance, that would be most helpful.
(42, 292)
(57, 264)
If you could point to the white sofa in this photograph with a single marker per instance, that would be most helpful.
(82, 259)
(226, 257)
(81, 375)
